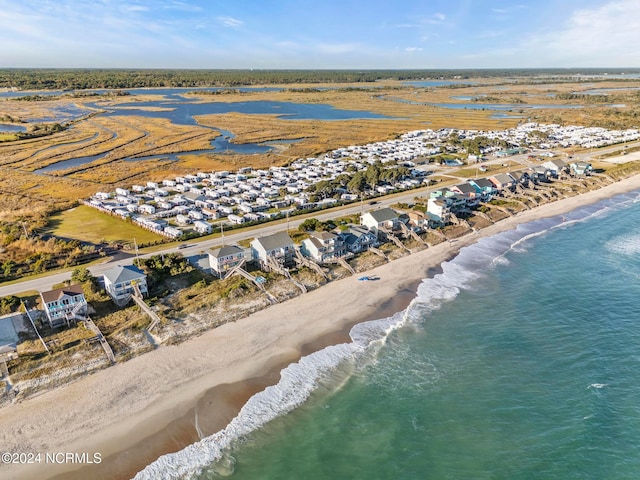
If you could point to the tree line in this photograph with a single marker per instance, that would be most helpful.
(78, 79)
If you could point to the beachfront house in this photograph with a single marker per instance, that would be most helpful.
(64, 305)
(521, 177)
(358, 239)
(485, 188)
(581, 168)
(556, 167)
(277, 247)
(120, 282)
(439, 210)
(382, 219)
(223, 259)
(417, 219)
(539, 174)
(323, 246)
(468, 192)
(502, 181)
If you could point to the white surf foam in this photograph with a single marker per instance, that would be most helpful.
(598, 386)
(299, 380)
(624, 245)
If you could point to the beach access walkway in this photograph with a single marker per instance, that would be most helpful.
(100, 337)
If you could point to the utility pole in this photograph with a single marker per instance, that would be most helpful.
(137, 255)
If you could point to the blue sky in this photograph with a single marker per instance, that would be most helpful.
(352, 34)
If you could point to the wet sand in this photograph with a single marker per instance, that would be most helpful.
(133, 412)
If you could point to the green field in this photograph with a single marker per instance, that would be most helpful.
(90, 225)
(7, 137)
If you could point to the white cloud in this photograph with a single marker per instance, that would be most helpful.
(230, 22)
(436, 18)
(413, 49)
(135, 8)
(182, 6)
(603, 36)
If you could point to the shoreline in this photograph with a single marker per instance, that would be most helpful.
(222, 366)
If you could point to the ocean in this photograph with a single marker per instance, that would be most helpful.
(519, 360)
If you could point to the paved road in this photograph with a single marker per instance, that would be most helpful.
(199, 246)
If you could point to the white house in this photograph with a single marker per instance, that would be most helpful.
(439, 210)
(323, 246)
(581, 168)
(278, 247)
(378, 219)
(555, 166)
(202, 227)
(120, 283)
(223, 259)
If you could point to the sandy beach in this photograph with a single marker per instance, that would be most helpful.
(133, 412)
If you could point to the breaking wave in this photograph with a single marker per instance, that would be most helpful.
(299, 380)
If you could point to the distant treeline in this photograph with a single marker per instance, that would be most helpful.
(77, 79)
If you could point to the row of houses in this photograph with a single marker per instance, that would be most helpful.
(65, 304)
(193, 202)
(543, 136)
(68, 304)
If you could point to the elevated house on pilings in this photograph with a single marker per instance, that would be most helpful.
(556, 167)
(521, 177)
(323, 246)
(503, 181)
(120, 283)
(358, 239)
(224, 259)
(539, 174)
(378, 221)
(439, 210)
(486, 189)
(278, 248)
(64, 306)
(469, 192)
(580, 169)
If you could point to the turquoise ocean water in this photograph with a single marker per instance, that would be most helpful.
(521, 360)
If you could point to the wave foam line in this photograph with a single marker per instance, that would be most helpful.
(299, 380)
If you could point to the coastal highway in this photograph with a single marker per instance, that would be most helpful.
(197, 247)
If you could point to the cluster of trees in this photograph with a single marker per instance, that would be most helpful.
(160, 267)
(26, 253)
(9, 304)
(313, 224)
(360, 181)
(473, 145)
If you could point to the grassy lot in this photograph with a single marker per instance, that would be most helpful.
(88, 224)
(7, 137)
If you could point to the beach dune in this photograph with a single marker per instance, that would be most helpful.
(159, 402)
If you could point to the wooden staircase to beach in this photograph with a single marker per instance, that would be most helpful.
(412, 234)
(243, 273)
(137, 297)
(310, 263)
(276, 267)
(389, 235)
(100, 337)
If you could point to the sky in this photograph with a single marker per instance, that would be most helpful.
(325, 34)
